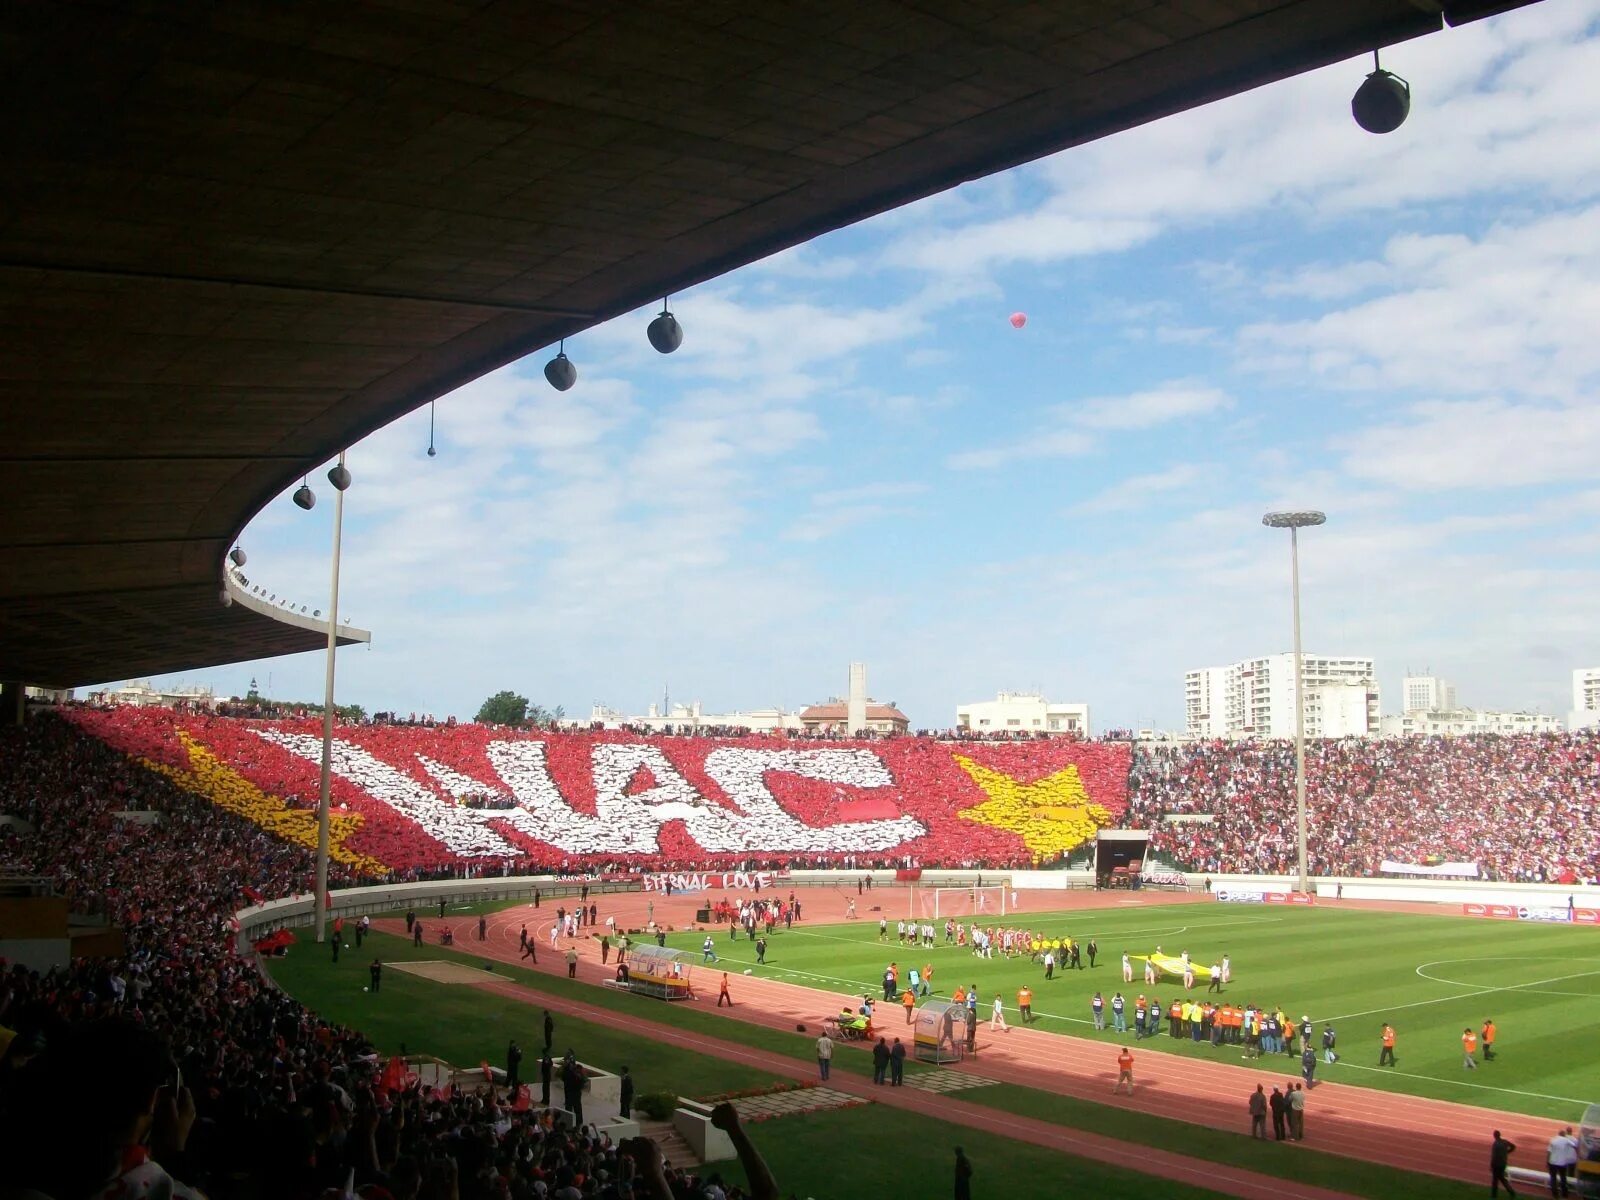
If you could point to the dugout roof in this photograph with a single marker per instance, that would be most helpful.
(237, 237)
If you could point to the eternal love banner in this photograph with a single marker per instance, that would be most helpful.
(409, 796)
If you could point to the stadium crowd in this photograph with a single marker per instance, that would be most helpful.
(1525, 808)
(243, 1092)
(233, 1088)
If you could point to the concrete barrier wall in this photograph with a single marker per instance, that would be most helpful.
(297, 911)
(1450, 891)
(1421, 890)
(693, 1123)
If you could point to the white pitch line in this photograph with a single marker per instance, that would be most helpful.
(1482, 1087)
(1485, 991)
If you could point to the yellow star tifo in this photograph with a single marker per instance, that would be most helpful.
(1051, 815)
(211, 778)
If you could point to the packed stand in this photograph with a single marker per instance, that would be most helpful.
(1524, 808)
(180, 1062)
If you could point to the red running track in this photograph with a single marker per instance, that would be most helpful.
(1409, 1132)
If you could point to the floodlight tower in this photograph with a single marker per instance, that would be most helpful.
(1294, 522)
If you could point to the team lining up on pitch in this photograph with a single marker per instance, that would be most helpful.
(1255, 1030)
(1258, 1030)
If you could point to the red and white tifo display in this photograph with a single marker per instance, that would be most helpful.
(408, 796)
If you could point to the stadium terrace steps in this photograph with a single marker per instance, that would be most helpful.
(674, 1148)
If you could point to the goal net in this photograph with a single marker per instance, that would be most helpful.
(938, 904)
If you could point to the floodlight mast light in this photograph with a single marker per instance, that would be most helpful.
(1294, 522)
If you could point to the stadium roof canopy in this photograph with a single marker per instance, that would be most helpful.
(237, 237)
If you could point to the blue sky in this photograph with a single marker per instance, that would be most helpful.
(855, 457)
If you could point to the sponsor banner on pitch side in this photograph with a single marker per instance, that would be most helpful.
(1557, 914)
(1236, 895)
(1241, 896)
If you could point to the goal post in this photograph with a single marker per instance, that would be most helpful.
(943, 903)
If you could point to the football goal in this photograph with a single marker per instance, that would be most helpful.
(942, 903)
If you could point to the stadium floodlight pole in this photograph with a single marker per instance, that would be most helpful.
(339, 476)
(1294, 522)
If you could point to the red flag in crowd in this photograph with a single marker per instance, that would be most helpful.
(393, 1078)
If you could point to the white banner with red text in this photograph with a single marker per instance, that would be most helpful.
(712, 881)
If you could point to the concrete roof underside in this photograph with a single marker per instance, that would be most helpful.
(235, 238)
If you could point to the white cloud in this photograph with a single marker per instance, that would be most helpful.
(1513, 311)
(1058, 443)
(1036, 237)
(804, 262)
(820, 524)
(1082, 419)
(1482, 444)
(1138, 491)
(835, 510)
(1499, 106)
(1146, 409)
(730, 335)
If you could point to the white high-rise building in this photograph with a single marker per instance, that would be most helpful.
(1428, 693)
(1023, 712)
(1205, 702)
(1255, 698)
(1585, 698)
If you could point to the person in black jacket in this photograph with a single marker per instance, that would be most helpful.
(547, 1068)
(963, 1175)
(572, 1088)
(1499, 1155)
(880, 1061)
(625, 1095)
(1276, 1103)
(513, 1067)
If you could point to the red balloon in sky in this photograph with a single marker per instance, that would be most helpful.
(1018, 320)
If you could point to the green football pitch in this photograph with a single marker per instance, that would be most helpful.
(1429, 976)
